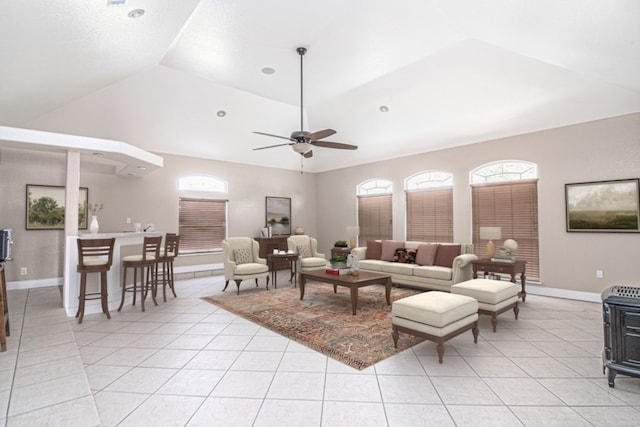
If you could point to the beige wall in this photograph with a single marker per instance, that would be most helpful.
(325, 203)
(600, 150)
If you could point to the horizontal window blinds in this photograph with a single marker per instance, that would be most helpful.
(430, 215)
(513, 207)
(374, 217)
(202, 224)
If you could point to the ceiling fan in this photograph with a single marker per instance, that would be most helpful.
(302, 141)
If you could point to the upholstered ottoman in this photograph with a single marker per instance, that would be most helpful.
(436, 316)
(494, 296)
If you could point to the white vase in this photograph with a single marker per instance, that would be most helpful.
(94, 226)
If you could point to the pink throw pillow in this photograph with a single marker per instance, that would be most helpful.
(389, 249)
(446, 254)
(374, 249)
(426, 254)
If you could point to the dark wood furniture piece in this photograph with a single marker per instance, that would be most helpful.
(621, 319)
(167, 255)
(275, 259)
(364, 278)
(4, 310)
(143, 263)
(268, 244)
(512, 268)
(340, 251)
(94, 256)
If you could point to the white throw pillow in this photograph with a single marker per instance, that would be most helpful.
(242, 255)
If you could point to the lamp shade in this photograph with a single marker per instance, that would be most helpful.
(490, 233)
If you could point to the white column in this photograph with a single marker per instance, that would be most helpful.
(72, 194)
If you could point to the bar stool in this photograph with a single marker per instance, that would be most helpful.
(167, 255)
(145, 261)
(94, 256)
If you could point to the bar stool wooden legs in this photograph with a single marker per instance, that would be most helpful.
(94, 256)
(146, 263)
(4, 310)
(167, 255)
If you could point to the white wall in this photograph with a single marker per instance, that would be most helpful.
(600, 150)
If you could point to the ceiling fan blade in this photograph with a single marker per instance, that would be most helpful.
(320, 134)
(275, 136)
(338, 145)
(272, 146)
(308, 154)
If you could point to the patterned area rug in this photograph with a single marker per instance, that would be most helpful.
(323, 320)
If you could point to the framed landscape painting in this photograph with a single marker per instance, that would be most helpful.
(603, 206)
(278, 216)
(45, 207)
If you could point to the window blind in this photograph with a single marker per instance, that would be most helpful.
(512, 206)
(202, 224)
(430, 215)
(375, 217)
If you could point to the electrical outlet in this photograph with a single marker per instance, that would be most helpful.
(128, 220)
(23, 271)
(599, 274)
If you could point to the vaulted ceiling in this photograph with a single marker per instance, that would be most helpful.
(451, 72)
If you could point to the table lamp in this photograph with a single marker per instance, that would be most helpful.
(490, 234)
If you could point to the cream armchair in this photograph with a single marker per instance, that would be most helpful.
(307, 248)
(242, 262)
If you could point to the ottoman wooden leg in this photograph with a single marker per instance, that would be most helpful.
(395, 335)
(516, 310)
(440, 350)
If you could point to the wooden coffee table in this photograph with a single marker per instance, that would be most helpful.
(365, 278)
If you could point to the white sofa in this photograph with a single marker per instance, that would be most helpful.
(427, 277)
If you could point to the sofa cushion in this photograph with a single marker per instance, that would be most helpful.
(371, 264)
(435, 308)
(389, 248)
(374, 249)
(426, 254)
(446, 254)
(404, 255)
(242, 255)
(433, 272)
(312, 262)
(397, 268)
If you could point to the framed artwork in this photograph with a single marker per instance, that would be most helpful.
(278, 215)
(45, 207)
(603, 206)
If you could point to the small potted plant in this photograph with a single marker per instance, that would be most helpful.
(338, 261)
(341, 244)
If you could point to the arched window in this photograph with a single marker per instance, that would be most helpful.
(505, 198)
(429, 196)
(375, 211)
(202, 221)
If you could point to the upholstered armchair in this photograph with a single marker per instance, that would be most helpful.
(307, 249)
(242, 262)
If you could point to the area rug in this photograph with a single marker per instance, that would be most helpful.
(323, 320)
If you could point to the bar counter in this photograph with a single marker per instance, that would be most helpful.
(114, 276)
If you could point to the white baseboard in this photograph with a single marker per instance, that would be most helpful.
(198, 268)
(563, 293)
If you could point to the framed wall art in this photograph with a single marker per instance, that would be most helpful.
(45, 207)
(603, 206)
(278, 215)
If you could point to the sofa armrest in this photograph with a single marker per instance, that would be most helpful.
(462, 270)
(360, 252)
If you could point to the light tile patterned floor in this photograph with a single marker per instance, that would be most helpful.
(187, 362)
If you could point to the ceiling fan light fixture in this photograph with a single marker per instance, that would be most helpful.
(301, 147)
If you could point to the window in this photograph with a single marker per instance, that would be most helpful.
(430, 206)
(505, 195)
(375, 210)
(202, 224)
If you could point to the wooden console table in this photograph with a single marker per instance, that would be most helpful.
(512, 268)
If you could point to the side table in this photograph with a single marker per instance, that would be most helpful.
(512, 268)
(273, 260)
(340, 251)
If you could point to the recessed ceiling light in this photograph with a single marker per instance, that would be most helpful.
(97, 154)
(384, 108)
(142, 168)
(136, 13)
(268, 70)
(221, 113)
(116, 2)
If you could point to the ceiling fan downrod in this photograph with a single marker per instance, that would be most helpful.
(301, 51)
